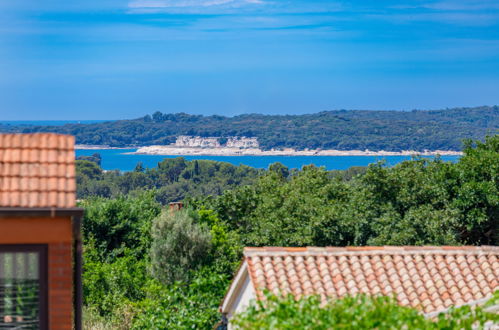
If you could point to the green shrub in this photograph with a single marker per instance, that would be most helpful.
(109, 285)
(179, 245)
(114, 225)
(359, 312)
(191, 305)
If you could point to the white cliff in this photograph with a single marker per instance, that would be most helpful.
(197, 142)
(242, 142)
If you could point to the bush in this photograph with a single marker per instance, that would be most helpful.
(179, 245)
(191, 305)
(359, 312)
(114, 225)
(109, 287)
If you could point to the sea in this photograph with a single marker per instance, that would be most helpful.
(120, 159)
(48, 122)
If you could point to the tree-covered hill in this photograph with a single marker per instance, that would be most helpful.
(339, 129)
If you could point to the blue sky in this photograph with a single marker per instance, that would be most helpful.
(110, 59)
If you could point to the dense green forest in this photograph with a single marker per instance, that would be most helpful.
(172, 180)
(341, 129)
(146, 267)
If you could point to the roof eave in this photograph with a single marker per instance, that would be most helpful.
(40, 211)
(469, 303)
(234, 287)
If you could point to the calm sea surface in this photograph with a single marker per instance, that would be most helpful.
(48, 122)
(113, 159)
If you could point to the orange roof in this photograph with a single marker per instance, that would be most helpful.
(428, 278)
(37, 170)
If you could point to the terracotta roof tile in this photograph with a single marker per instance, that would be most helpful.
(37, 170)
(429, 278)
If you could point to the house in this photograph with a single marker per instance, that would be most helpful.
(40, 243)
(429, 278)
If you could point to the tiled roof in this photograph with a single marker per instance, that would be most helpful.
(428, 278)
(37, 170)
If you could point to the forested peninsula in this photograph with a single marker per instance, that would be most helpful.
(416, 130)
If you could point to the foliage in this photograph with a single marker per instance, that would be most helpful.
(93, 320)
(116, 241)
(119, 291)
(477, 191)
(178, 246)
(192, 305)
(341, 129)
(116, 225)
(110, 287)
(95, 158)
(173, 179)
(413, 203)
(358, 312)
(416, 202)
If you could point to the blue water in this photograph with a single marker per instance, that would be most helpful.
(48, 122)
(113, 159)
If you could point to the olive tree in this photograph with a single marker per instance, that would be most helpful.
(179, 245)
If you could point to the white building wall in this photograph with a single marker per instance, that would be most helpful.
(240, 295)
(244, 297)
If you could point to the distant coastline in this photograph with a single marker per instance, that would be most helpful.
(97, 147)
(355, 131)
(224, 151)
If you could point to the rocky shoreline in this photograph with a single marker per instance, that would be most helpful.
(224, 151)
(95, 147)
